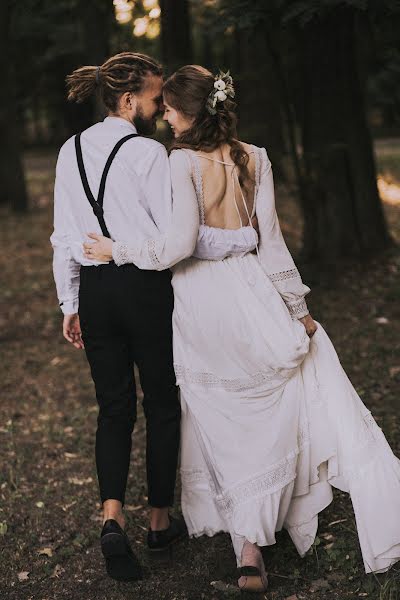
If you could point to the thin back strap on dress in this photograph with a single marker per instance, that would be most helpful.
(233, 173)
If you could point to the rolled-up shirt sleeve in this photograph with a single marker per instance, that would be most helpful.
(274, 255)
(65, 269)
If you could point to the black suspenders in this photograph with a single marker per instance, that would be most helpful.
(97, 205)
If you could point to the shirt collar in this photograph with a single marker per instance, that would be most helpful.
(120, 123)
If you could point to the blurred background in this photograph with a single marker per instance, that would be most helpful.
(318, 85)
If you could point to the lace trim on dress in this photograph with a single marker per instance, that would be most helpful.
(297, 308)
(283, 275)
(198, 184)
(278, 476)
(257, 164)
(275, 479)
(185, 375)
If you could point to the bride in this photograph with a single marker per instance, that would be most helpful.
(270, 421)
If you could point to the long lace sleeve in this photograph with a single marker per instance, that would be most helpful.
(275, 257)
(179, 239)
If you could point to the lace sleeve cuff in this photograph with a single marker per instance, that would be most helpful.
(151, 249)
(284, 275)
(120, 253)
(146, 258)
(292, 290)
(298, 309)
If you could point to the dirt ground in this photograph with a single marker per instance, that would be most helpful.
(49, 509)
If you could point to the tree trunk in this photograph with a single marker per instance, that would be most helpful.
(12, 180)
(260, 115)
(342, 210)
(176, 40)
(96, 18)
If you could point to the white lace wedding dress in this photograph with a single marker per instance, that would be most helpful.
(270, 421)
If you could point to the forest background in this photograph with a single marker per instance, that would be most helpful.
(318, 85)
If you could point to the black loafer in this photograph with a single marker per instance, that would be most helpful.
(121, 562)
(161, 539)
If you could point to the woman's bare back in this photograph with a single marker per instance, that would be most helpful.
(221, 188)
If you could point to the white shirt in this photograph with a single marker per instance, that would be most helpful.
(137, 201)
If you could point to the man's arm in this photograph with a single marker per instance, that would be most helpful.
(65, 269)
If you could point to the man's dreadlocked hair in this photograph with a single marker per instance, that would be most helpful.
(124, 72)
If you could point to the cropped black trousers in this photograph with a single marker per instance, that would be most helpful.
(126, 319)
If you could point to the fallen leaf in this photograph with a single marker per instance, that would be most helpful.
(23, 576)
(58, 570)
(55, 361)
(77, 481)
(131, 507)
(3, 528)
(382, 320)
(328, 546)
(40, 504)
(46, 552)
(44, 417)
(66, 507)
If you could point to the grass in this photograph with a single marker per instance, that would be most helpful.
(49, 510)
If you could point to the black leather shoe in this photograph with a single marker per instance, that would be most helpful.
(163, 538)
(121, 562)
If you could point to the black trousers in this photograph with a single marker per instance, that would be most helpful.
(126, 318)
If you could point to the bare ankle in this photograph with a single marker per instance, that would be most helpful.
(250, 554)
(116, 517)
(112, 509)
(159, 518)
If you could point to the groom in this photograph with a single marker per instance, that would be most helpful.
(121, 315)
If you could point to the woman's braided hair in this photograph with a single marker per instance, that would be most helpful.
(187, 90)
(124, 72)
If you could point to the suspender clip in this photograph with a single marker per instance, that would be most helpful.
(98, 210)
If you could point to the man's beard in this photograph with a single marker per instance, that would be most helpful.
(144, 126)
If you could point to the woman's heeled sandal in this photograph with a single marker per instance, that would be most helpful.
(253, 579)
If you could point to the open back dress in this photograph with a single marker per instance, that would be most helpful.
(270, 420)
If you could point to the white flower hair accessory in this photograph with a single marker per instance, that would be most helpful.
(223, 87)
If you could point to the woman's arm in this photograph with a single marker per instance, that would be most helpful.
(169, 248)
(181, 235)
(274, 254)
